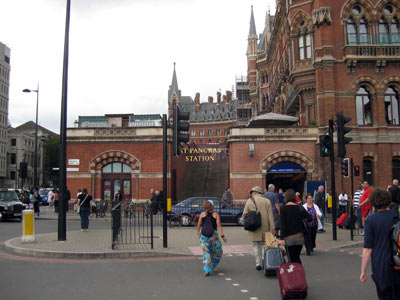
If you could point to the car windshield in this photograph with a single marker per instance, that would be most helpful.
(43, 192)
(8, 196)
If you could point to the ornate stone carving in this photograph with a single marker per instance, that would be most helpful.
(321, 16)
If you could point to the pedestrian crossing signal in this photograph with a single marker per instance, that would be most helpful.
(356, 170)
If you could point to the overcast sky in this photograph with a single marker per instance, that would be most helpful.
(122, 53)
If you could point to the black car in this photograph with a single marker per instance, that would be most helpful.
(187, 211)
(10, 205)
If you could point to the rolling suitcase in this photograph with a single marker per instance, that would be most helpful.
(342, 219)
(273, 258)
(292, 281)
(350, 222)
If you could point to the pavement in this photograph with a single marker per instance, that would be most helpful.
(96, 244)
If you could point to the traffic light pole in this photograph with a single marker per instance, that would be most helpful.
(352, 194)
(332, 159)
(165, 157)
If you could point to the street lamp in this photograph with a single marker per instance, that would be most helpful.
(35, 161)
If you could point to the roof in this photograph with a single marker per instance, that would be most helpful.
(30, 125)
(272, 119)
(252, 23)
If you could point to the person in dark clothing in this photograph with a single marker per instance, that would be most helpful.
(319, 200)
(377, 245)
(85, 207)
(36, 201)
(395, 192)
(153, 201)
(292, 228)
(311, 234)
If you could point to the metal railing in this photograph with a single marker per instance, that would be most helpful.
(132, 223)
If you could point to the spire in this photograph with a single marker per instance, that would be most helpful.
(252, 23)
(174, 86)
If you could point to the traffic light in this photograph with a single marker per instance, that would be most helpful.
(341, 120)
(180, 129)
(325, 145)
(23, 170)
(356, 170)
(345, 167)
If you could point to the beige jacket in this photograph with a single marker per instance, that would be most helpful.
(267, 218)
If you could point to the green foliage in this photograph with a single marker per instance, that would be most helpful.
(313, 122)
(51, 160)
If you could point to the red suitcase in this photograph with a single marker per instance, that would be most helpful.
(292, 281)
(342, 219)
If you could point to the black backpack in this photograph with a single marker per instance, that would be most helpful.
(207, 228)
(395, 239)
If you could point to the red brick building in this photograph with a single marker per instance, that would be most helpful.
(314, 59)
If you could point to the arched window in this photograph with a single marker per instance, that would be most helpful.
(351, 31)
(363, 106)
(116, 167)
(305, 46)
(368, 171)
(383, 31)
(396, 168)
(392, 106)
(395, 31)
(363, 31)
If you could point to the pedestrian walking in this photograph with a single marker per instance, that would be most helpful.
(56, 198)
(84, 207)
(395, 192)
(365, 204)
(208, 227)
(292, 226)
(50, 197)
(378, 247)
(227, 196)
(256, 201)
(343, 200)
(36, 201)
(319, 200)
(314, 225)
(356, 205)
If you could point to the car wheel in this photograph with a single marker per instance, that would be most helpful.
(239, 220)
(184, 220)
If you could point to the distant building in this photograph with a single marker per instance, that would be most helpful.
(4, 87)
(21, 148)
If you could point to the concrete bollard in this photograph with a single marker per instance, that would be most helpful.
(28, 226)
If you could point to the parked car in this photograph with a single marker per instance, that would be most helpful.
(10, 205)
(187, 211)
(43, 193)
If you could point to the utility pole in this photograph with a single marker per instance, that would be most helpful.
(165, 157)
(332, 159)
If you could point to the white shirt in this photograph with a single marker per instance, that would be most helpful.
(343, 199)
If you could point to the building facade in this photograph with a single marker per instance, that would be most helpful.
(4, 92)
(322, 57)
(21, 148)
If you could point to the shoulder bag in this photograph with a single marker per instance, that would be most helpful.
(252, 221)
(78, 210)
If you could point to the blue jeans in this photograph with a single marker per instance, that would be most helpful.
(359, 219)
(84, 213)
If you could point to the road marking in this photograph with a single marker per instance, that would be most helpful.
(244, 291)
(221, 274)
(351, 252)
(253, 298)
(235, 284)
(228, 279)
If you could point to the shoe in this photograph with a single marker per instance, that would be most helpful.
(308, 253)
(82, 230)
(206, 274)
(362, 233)
(258, 268)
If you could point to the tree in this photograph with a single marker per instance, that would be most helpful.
(51, 160)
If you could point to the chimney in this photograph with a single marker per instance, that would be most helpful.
(197, 102)
(218, 100)
(210, 99)
(228, 98)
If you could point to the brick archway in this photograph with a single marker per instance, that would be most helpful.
(114, 156)
(287, 155)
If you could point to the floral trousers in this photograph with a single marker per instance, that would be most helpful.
(212, 251)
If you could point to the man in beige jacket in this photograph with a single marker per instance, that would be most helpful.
(267, 222)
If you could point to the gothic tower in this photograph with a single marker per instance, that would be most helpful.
(174, 94)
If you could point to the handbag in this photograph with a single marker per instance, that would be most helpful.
(78, 210)
(252, 221)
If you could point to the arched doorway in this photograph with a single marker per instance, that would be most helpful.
(287, 175)
(116, 176)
